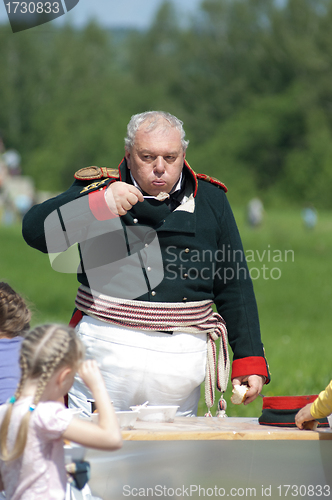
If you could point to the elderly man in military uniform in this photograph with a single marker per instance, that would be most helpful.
(158, 247)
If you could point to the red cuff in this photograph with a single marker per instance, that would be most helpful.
(252, 365)
(99, 207)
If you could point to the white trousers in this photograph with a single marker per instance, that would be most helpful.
(139, 366)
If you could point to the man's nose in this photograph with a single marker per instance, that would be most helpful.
(159, 165)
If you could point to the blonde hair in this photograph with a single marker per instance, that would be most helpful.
(14, 313)
(44, 350)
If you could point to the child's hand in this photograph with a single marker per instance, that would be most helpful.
(90, 374)
(303, 415)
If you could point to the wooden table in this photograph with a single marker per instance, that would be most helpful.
(211, 457)
(201, 428)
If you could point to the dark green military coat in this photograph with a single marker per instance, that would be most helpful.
(202, 255)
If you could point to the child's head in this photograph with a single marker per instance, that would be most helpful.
(14, 314)
(44, 350)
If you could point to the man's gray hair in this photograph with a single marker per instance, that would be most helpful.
(153, 117)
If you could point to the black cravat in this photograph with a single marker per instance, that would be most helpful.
(175, 198)
(173, 202)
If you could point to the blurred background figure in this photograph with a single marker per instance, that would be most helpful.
(17, 192)
(13, 161)
(255, 212)
(3, 174)
(19, 195)
(309, 216)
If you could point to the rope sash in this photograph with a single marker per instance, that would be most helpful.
(192, 317)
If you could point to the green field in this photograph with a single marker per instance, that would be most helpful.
(291, 269)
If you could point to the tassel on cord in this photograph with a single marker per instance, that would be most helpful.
(223, 367)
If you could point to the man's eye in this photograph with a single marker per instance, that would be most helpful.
(170, 158)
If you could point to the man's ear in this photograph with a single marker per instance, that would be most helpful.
(127, 156)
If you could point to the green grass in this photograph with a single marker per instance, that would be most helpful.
(295, 310)
(50, 294)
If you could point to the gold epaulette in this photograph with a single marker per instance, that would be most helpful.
(91, 173)
(212, 180)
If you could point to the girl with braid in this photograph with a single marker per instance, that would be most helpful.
(14, 323)
(33, 423)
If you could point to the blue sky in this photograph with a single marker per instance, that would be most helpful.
(116, 13)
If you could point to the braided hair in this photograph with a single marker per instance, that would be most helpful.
(14, 313)
(44, 350)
